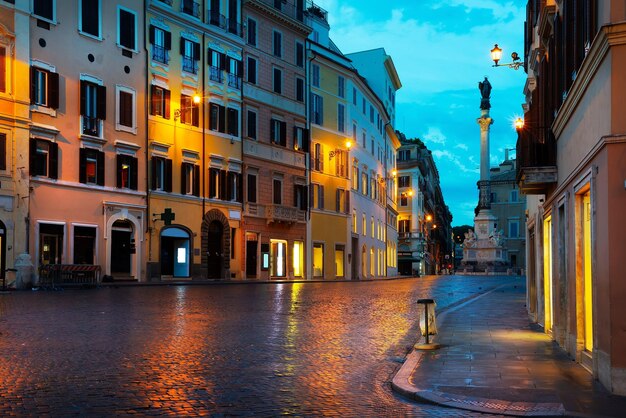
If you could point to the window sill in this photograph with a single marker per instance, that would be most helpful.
(89, 35)
(43, 109)
(92, 139)
(123, 128)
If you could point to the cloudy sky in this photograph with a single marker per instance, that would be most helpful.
(441, 52)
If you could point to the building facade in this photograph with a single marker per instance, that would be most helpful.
(571, 161)
(195, 68)
(275, 147)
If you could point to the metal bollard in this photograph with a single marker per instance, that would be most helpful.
(428, 345)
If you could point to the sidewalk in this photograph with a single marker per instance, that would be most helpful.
(493, 360)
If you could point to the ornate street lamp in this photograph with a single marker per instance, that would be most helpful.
(496, 55)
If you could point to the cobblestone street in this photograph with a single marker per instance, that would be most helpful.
(242, 349)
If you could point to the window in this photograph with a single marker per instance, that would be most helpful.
(84, 244)
(404, 155)
(404, 226)
(91, 169)
(190, 7)
(494, 197)
(514, 196)
(3, 70)
(190, 179)
(160, 102)
(317, 109)
(300, 194)
(232, 127)
(44, 9)
(126, 172)
(364, 184)
(161, 171)
(189, 111)
(215, 17)
(251, 184)
(371, 114)
(364, 106)
(299, 89)
(44, 86)
(278, 81)
(251, 124)
(217, 117)
(315, 75)
(341, 117)
(252, 32)
(300, 138)
(404, 200)
(251, 70)
(341, 86)
(318, 158)
(404, 181)
(190, 52)
(278, 44)
(125, 115)
(217, 64)
(161, 42)
(340, 201)
(341, 161)
(278, 132)
(372, 227)
(3, 151)
(354, 221)
(318, 260)
(235, 72)
(514, 229)
(92, 107)
(355, 178)
(126, 27)
(354, 96)
(339, 260)
(89, 12)
(43, 158)
(319, 195)
(364, 139)
(277, 191)
(299, 55)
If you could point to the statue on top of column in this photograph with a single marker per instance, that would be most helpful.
(485, 92)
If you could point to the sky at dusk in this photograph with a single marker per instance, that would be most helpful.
(441, 52)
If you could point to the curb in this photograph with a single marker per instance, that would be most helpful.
(402, 385)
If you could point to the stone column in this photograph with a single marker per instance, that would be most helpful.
(484, 199)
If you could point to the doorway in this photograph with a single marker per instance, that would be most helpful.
(215, 236)
(175, 255)
(585, 277)
(252, 246)
(547, 274)
(121, 247)
(50, 244)
(3, 249)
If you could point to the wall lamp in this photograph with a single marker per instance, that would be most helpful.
(496, 55)
(336, 151)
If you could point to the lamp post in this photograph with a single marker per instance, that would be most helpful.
(496, 55)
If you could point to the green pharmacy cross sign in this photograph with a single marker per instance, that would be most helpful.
(168, 216)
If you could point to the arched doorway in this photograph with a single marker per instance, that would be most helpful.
(364, 262)
(122, 247)
(3, 246)
(215, 236)
(175, 256)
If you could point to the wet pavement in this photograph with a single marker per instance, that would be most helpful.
(303, 349)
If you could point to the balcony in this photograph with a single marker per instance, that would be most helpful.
(296, 9)
(190, 65)
(228, 24)
(190, 7)
(216, 74)
(160, 54)
(234, 27)
(287, 214)
(234, 81)
(536, 158)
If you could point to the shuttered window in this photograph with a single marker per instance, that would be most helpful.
(127, 23)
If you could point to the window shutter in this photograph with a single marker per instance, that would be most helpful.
(239, 68)
(182, 46)
(166, 94)
(295, 194)
(183, 178)
(118, 170)
(83, 96)
(338, 200)
(223, 186)
(304, 204)
(311, 196)
(3, 151)
(251, 185)
(283, 134)
(101, 112)
(233, 123)
(127, 29)
(295, 136)
(222, 61)
(347, 209)
(168, 40)
(227, 63)
(209, 57)
(168, 175)
(152, 34)
(153, 99)
(306, 141)
(82, 168)
(213, 173)
(153, 173)
(230, 179)
(33, 83)
(31, 157)
(240, 188)
(272, 130)
(196, 180)
(53, 90)
(222, 116)
(196, 51)
(100, 159)
(321, 196)
(195, 115)
(133, 173)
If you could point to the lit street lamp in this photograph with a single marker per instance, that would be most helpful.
(496, 55)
